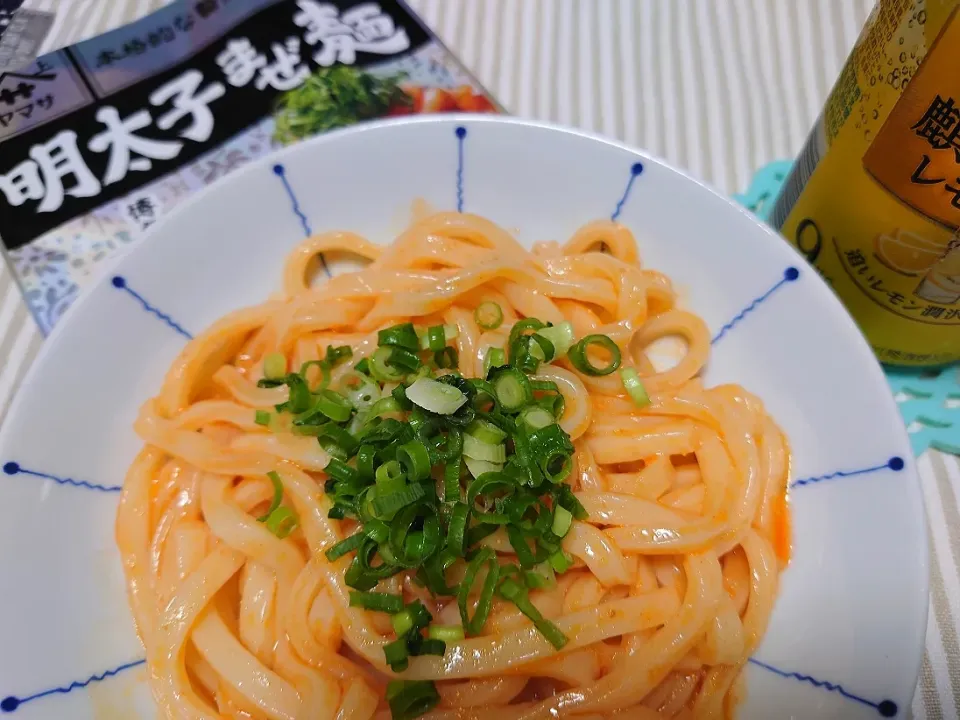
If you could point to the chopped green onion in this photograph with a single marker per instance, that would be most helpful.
(415, 460)
(447, 358)
(274, 366)
(404, 359)
(300, 397)
(477, 450)
(562, 520)
(336, 354)
(447, 633)
(339, 470)
(384, 505)
(489, 315)
(457, 529)
(389, 472)
(435, 338)
(281, 522)
(634, 387)
(381, 369)
(516, 594)
(451, 481)
(560, 561)
(520, 328)
(359, 390)
(384, 406)
(334, 435)
(262, 417)
(430, 646)
(403, 336)
(376, 601)
(486, 432)
(475, 624)
(277, 496)
(560, 336)
(409, 699)
(396, 654)
(333, 405)
(421, 616)
(541, 577)
(495, 357)
(535, 417)
(345, 546)
(578, 355)
(520, 546)
(481, 467)
(402, 622)
(363, 366)
(512, 388)
(435, 396)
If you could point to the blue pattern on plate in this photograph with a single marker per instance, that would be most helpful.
(789, 275)
(461, 133)
(13, 468)
(895, 463)
(886, 708)
(635, 170)
(281, 172)
(10, 703)
(120, 283)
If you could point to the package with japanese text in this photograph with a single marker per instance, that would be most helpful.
(99, 140)
(873, 201)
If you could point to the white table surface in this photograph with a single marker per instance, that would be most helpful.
(719, 87)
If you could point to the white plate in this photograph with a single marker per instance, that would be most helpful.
(846, 636)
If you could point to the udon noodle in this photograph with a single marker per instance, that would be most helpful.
(665, 584)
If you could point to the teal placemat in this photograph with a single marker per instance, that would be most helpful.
(929, 399)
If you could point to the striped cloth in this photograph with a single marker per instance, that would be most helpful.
(718, 87)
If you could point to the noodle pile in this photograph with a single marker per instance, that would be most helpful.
(674, 570)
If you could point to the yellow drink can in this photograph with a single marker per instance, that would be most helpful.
(873, 201)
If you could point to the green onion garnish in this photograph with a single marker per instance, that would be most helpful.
(478, 450)
(489, 315)
(495, 357)
(481, 467)
(435, 338)
(435, 396)
(486, 432)
(487, 557)
(274, 366)
(345, 546)
(512, 388)
(402, 622)
(388, 504)
(398, 463)
(376, 601)
(409, 699)
(277, 496)
(516, 594)
(634, 387)
(402, 335)
(447, 358)
(535, 417)
(281, 522)
(380, 367)
(560, 336)
(578, 355)
(447, 633)
(397, 656)
(562, 520)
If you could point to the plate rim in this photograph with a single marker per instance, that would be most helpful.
(867, 358)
